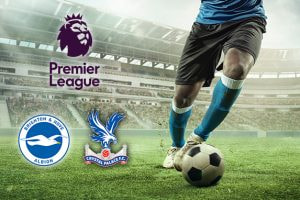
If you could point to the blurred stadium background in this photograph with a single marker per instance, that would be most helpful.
(138, 64)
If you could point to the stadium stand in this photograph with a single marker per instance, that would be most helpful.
(165, 94)
(138, 92)
(155, 116)
(26, 81)
(101, 89)
(105, 110)
(21, 109)
(138, 66)
(268, 101)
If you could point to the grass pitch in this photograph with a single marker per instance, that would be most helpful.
(256, 168)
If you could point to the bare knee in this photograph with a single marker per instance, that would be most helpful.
(237, 64)
(183, 102)
(186, 94)
(237, 71)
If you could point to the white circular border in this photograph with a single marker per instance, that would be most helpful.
(57, 157)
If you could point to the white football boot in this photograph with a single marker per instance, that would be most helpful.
(169, 160)
(192, 140)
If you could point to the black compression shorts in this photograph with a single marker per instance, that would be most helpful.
(204, 45)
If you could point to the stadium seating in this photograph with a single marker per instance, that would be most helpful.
(20, 109)
(238, 119)
(33, 82)
(268, 101)
(155, 117)
(165, 94)
(105, 110)
(127, 86)
(101, 89)
(138, 92)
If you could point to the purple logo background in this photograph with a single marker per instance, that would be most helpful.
(75, 35)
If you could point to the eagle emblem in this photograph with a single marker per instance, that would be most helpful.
(105, 135)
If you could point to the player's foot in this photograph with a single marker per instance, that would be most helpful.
(169, 160)
(192, 140)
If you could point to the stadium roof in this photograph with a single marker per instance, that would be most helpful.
(35, 24)
(39, 21)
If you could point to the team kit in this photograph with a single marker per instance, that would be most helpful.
(234, 27)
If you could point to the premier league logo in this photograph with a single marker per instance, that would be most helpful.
(44, 140)
(105, 136)
(75, 35)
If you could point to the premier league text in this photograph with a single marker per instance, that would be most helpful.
(76, 83)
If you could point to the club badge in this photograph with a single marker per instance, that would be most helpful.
(105, 136)
(44, 140)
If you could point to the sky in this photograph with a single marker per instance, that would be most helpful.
(283, 29)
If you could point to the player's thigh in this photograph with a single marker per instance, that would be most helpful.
(200, 56)
(186, 94)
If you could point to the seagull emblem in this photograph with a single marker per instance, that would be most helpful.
(41, 140)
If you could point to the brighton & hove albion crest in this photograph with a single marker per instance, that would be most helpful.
(44, 140)
(105, 136)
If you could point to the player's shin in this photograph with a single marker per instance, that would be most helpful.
(177, 124)
(225, 93)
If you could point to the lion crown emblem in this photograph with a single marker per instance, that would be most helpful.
(75, 35)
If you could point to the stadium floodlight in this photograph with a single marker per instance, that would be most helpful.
(109, 57)
(170, 67)
(287, 75)
(259, 96)
(31, 45)
(135, 62)
(123, 59)
(282, 96)
(148, 64)
(27, 44)
(64, 51)
(24, 44)
(253, 75)
(94, 55)
(46, 47)
(159, 65)
(269, 75)
(8, 41)
(42, 46)
(50, 48)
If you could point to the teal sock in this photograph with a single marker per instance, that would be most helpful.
(225, 93)
(177, 124)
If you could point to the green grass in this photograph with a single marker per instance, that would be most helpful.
(256, 168)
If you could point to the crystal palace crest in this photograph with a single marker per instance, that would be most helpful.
(105, 136)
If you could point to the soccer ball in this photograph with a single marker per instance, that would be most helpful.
(203, 165)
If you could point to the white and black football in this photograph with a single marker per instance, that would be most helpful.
(203, 165)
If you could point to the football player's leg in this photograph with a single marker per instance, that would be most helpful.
(241, 51)
(181, 110)
(237, 64)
